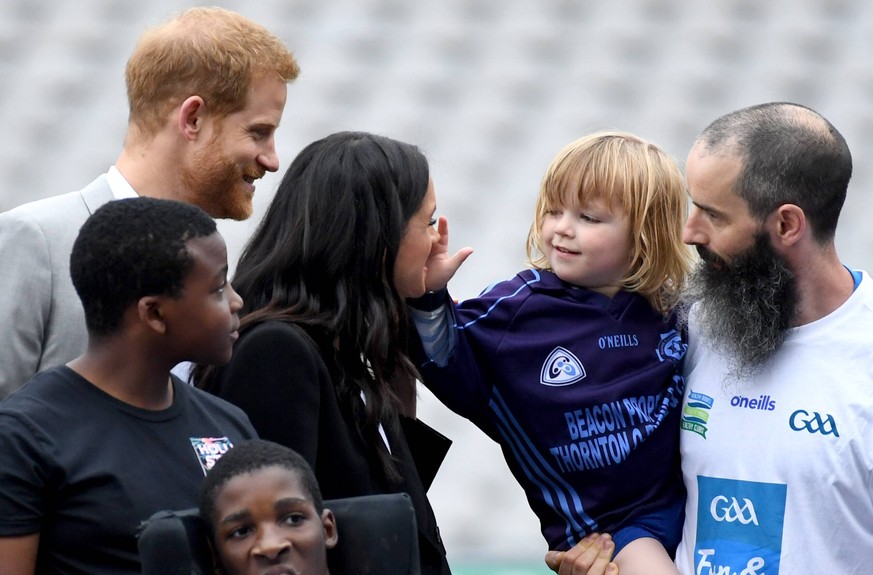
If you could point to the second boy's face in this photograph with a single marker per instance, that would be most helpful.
(265, 523)
(203, 323)
(588, 246)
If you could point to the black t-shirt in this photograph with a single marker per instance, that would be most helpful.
(83, 469)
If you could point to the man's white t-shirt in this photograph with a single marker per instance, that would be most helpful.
(779, 468)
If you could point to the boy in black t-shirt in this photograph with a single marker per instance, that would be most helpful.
(90, 449)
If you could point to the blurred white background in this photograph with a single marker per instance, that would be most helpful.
(490, 90)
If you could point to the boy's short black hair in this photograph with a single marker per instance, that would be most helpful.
(133, 248)
(251, 456)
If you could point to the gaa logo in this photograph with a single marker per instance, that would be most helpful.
(727, 510)
(813, 423)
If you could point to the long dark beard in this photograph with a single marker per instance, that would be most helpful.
(745, 305)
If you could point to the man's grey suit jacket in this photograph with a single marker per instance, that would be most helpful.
(43, 321)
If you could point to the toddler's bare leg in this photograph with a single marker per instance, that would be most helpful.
(645, 556)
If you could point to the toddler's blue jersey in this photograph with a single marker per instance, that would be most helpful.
(581, 391)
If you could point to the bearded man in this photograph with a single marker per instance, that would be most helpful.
(206, 90)
(777, 419)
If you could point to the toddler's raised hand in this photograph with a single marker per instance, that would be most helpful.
(440, 266)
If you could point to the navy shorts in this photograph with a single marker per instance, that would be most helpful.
(665, 525)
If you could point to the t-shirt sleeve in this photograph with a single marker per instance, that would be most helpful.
(24, 478)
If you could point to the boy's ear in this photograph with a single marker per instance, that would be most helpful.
(192, 112)
(150, 311)
(328, 522)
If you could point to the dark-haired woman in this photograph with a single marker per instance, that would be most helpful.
(321, 364)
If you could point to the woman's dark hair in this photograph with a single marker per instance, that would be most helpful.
(323, 258)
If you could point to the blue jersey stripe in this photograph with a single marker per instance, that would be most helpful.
(557, 493)
(527, 283)
(556, 478)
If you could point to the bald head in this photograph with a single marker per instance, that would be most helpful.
(789, 154)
